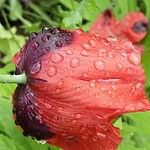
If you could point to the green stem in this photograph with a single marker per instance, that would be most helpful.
(13, 78)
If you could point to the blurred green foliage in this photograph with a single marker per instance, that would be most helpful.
(18, 18)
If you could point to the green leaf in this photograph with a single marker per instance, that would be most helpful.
(73, 20)
(147, 4)
(136, 136)
(15, 9)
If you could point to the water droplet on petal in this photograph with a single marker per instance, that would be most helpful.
(99, 65)
(130, 70)
(57, 91)
(110, 55)
(134, 59)
(32, 35)
(60, 109)
(75, 62)
(73, 121)
(60, 84)
(84, 53)
(93, 43)
(112, 39)
(83, 128)
(139, 86)
(133, 88)
(119, 66)
(102, 89)
(124, 55)
(92, 83)
(86, 46)
(56, 58)
(48, 106)
(45, 38)
(85, 75)
(55, 119)
(45, 28)
(52, 71)
(35, 68)
(58, 43)
(79, 31)
(85, 137)
(97, 94)
(114, 87)
(94, 138)
(97, 35)
(72, 73)
(101, 135)
(77, 116)
(35, 45)
(69, 52)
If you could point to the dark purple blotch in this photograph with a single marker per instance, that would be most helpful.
(48, 40)
(27, 116)
(140, 27)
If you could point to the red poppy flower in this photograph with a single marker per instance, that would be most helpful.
(77, 84)
(134, 26)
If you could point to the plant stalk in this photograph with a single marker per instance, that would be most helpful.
(21, 79)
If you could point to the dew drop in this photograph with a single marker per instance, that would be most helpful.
(58, 43)
(69, 52)
(57, 91)
(99, 65)
(101, 135)
(85, 137)
(60, 84)
(94, 138)
(119, 66)
(45, 38)
(130, 70)
(52, 71)
(102, 89)
(55, 119)
(56, 58)
(60, 109)
(97, 35)
(112, 39)
(32, 35)
(134, 59)
(72, 73)
(85, 75)
(139, 86)
(110, 55)
(124, 55)
(79, 31)
(133, 88)
(35, 45)
(92, 83)
(93, 43)
(114, 87)
(45, 28)
(96, 94)
(75, 62)
(48, 106)
(77, 116)
(84, 53)
(41, 142)
(73, 121)
(83, 127)
(86, 46)
(35, 68)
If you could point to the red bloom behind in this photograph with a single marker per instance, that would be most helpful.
(77, 84)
